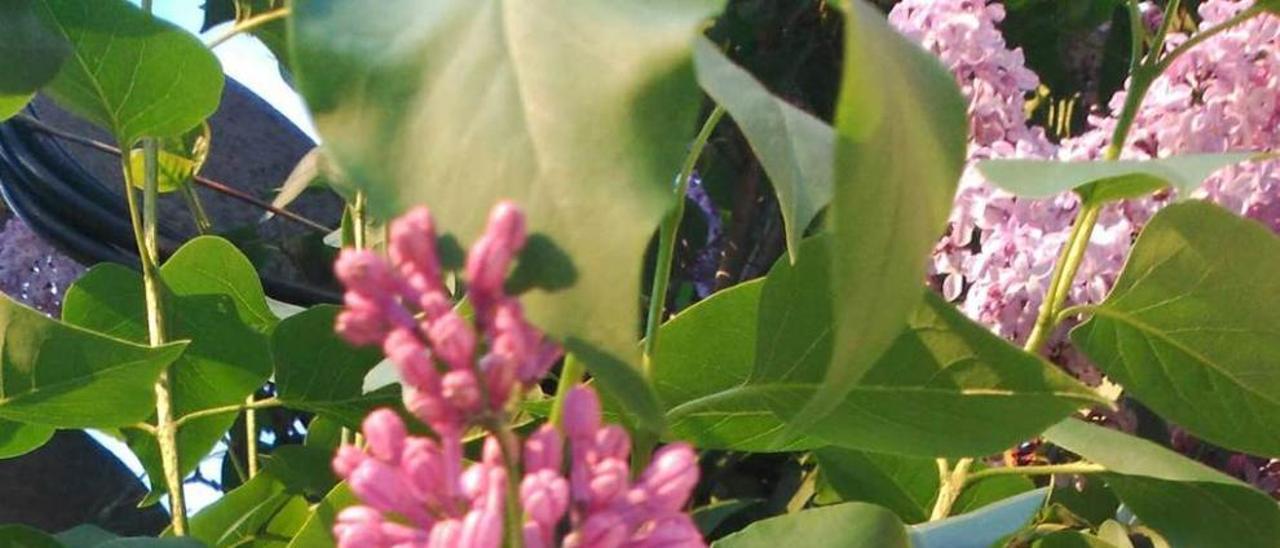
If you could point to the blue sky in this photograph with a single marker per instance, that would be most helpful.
(249, 62)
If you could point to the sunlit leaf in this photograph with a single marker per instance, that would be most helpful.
(18, 438)
(852, 525)
(1191, 328)
(1113, 180)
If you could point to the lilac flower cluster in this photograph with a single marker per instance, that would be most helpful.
(999, 252)
(32, 271)
(415, 490)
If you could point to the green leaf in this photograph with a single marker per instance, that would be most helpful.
(1188, 502)
(707, 350)
(520, 101)
(216, 300)
(131, 73)
(906, 485)
(17, 439)
(852, 525)
(11, 105)
(1191, 327)
(947, 386)
(261, 508)
(982, 528)
(317, 531)
(31, 52)
(21, 536)
(794, 147)
(901, 132)
(92, 536)
(179, 159)
(302, 469)
(56, 374)
(1108, 181)
(319, 372)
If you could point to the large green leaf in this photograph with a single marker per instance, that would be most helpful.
(216, 300)
(1188, 502)
(982, 528)
(1112, 180)
(17, 438)
(1192, 327)
(901, 131)
(577, 110)
(22, 536)
(60, 375)
(851, 525)
(947, 386)
(92, 536)
(906, 485)
(129, 72)
(794, 147)
(317, 530)
(319, 372)
(30, 53)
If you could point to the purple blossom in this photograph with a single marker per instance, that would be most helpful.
(32, 271)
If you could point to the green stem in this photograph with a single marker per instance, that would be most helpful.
(951, 485)
(1039, 470)
(570, 375)
(250, 24)
(1157, 45)
(358, 220)
(204, 225)
(1064, 271)
(667, 240)
(513, 522)
(251, 435)
(1137, 35)
(1206, 34)
(259, 404)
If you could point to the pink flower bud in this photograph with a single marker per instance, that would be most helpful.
(461, 390)
(381, 486)
(347, 459)
(412, 248)
(613, 442)
(535, 536)
(547, 354)
(609, 479)
(670, 531)
(358, 526)
(411, 356)
(601, 530)
(385, 433)
(431, 408)
(544, 495)
(544, 450)
(581, 413)
(493, 453)
(363, 271)
(452, 340)
(491, 256)
(446, 534)
(424, 467)
(671, 477)
(500, 378)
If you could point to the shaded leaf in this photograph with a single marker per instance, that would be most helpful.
(458, 104)
(178, 159)
(901, 133)
(17, 439)
(712, 515)
(129, 72)
(319, 372)
(794, 147)
(11, 105)
(92, 536)
(1188, 502)
(57, 374)
(1193, 331)
(980, 529)
(1070, 539)
(31, 52)
(852, 524)
(261, 508)
(22, 536)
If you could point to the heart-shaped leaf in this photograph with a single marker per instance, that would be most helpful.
(1192, 327)
(576, 110)
(852, 524)
(1114, 180)
(129, 72)
(900, 146)
(216, 300)
(1188, 502)
(60, 375)
(794, 147)
(31, 52)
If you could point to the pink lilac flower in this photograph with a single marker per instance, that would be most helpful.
(415, 490)
(32, 271)
(999, 251)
